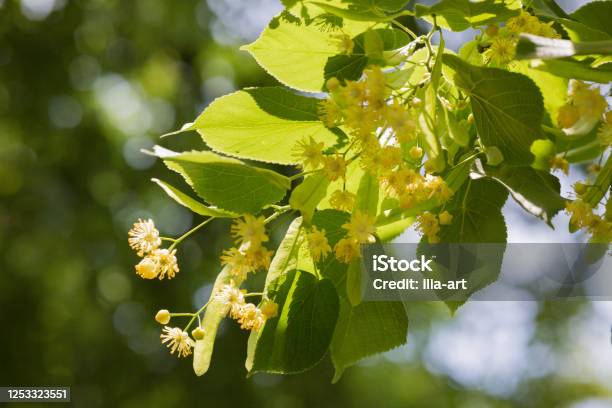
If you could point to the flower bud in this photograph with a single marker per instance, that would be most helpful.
(197, 333)
(580, 188)
(332, 84)
(269, 309)
(445, 218)
(415, 152)
(470, 118)
(163, 316)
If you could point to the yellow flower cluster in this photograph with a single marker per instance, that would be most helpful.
(584, 108)
(429, 225)
(157, 262)
(503, 44)
(360, 230)
(584, 217)
(249, 255)
(342, 200)
(412, 188)
(249, 316)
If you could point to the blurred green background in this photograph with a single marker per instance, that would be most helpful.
(84, 85)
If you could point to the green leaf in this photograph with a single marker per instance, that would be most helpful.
(508, 108)
(299, 337)
(459, 15)
(552, 87)
(602, 184)
(262, 124)
(306, 196)
(577, 31)
(294, 54)
(365, 330)
(354, 291)
(194, 205)
(367, 195)
(595, 15)
(331, 221)
(225, 182)
(537, 191)
(477, 219)
(350, 67)
(575, 70)
(367, 10)
(203, 349)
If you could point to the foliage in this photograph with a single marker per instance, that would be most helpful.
(405, 132)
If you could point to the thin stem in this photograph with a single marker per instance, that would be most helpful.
(254, 294)
(181, 314)
(167, 239)
(196, 314)
(279, 212)
(302, 174)
(188, 233)
(406, 29)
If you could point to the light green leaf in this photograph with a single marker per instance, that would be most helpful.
(580, 32)
(537, 191)
(194, 205)
(370, 11)
(299, 337)
(575, 70)
(459, 15)
(353, 282)
(226, 183)
(306, 196)
(215, 312)
(262, 124)
(508, 108)
(552, 87)
(367, 195)
(365, 330)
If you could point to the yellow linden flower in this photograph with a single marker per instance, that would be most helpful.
(147, 268)
(334, 167)
(361, 227)
(567, 116)
(501, 51)
(415, 152)
(390, 157)
(166, 262)
(581, 213)
(375, 86)
(354, 93)
(588, 101)
(344, 43)
(310, 153)
(237, 262)
(250, 229)
(232, 298)
(342, 200)
(250, 317)
(580, 188)
(407, 200)
(177, 340)
(601, 230)
(445, 218)
(330, 113)
(517, 24)
(400, 120)
(144, 237)
(258, 257)
(428, 226)
(558, 162)
(346, 250)
(318, 244)
(362, 121)
(439, 188)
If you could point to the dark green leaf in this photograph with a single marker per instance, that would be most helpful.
(367, 329)
(459, 15)
(299, 337)
(508, 108)
(226, 183)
